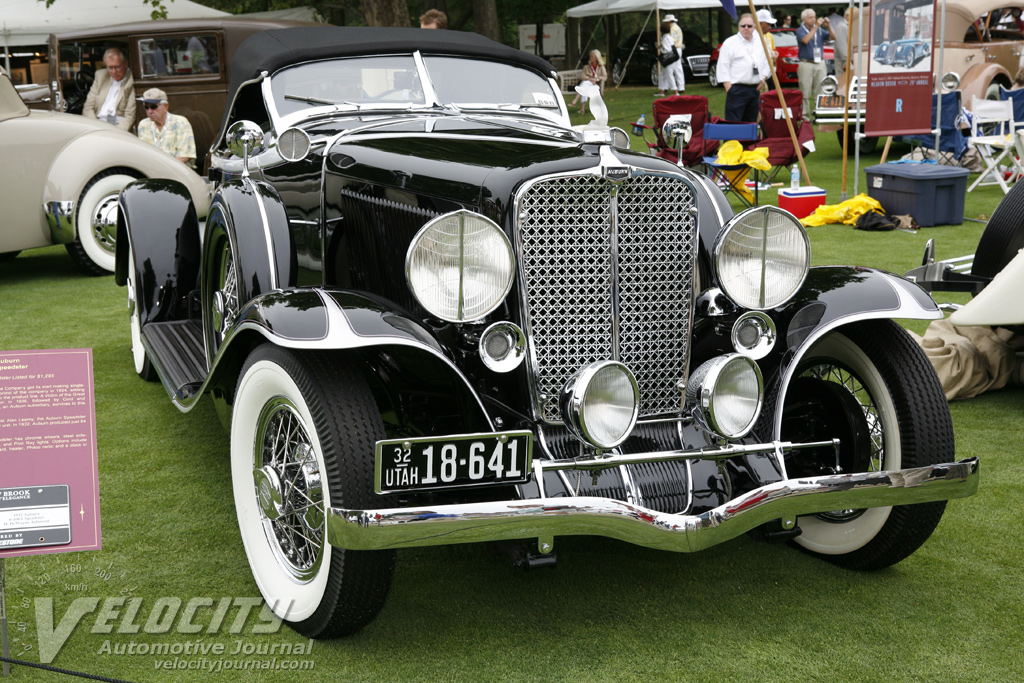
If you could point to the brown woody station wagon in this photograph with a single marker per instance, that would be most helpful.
(189, 59)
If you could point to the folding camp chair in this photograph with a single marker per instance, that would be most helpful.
(775, 132)
(951, 138)
(992, 126)
(695, 107)
(730, 177)
(1017, 97)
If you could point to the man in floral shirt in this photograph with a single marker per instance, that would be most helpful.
(169, 132)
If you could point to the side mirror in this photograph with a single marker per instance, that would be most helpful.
(245, 138)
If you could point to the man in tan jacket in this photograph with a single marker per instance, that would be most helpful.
(112, 95)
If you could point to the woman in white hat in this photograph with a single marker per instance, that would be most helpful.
(671, 77)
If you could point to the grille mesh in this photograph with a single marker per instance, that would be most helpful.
(566, 249)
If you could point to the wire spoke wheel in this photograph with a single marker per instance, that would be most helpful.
(289, 489)
(871, 387)
(303, 429)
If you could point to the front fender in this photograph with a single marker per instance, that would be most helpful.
(978, 78)
(157, 220)
(834, 296)
(334, 320)
(100, 150)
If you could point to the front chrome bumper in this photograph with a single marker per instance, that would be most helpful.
(545, 518)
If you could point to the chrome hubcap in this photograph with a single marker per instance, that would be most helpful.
(289, 490)
(104, 223)
(850, 382)
(225, 299)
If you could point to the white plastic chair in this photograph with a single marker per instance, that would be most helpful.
(994, 117)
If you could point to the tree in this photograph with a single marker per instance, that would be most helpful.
(386, 12)
(159, 8)
(485, 18)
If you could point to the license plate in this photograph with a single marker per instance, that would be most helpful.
(831, 101)
(453, 461)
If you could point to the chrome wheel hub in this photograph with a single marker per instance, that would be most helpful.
(104, 223)
(838, 374)
(225, 299)
(289, 490)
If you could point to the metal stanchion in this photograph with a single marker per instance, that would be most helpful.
(6, 648)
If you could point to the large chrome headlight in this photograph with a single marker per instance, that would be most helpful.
(601, 403)
(950, 81)
(829, 85)
(460, 266)
(724, 395)
(761, 257)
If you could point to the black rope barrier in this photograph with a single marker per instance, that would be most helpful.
(57, 669)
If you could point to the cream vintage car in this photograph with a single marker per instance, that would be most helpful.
(983, 50)
(63, 177)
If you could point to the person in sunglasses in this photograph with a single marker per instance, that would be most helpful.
(112, 95)
(170, 132)
(742, 68)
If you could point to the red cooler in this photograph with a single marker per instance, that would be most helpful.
(802, 201)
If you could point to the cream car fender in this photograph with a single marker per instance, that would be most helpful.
(1000, 302)
(978, 78)
(98, 151)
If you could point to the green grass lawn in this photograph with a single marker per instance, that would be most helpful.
(744, 610)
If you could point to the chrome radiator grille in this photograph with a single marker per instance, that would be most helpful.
(608, 271)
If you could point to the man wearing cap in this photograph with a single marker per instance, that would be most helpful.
(169, 132)
(767, 21)
(112, 95)
(742, 68)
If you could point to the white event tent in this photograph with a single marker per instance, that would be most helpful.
(600, 7)
(30, 22)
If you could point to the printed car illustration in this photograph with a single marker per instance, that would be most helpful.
(432, 313)
(65, 175)
(910, 51)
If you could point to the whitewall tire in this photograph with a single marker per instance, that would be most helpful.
(303, 428)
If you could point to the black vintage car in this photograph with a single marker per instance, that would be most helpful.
(433, 313)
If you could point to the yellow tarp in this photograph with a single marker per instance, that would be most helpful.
(846, 212)
(732, 153)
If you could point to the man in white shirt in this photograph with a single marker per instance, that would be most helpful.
(112, 95)
(742, 68)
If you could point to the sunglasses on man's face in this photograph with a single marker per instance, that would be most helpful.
(746, 26)
(151, 106)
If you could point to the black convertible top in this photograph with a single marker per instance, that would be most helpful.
(271, 50)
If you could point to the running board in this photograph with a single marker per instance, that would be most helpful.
(176, 350)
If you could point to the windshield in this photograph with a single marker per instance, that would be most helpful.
(365, 83)
(784, 39)
(471, 82)
(351, 82)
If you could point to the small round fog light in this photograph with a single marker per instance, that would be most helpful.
(724, 395)
(503, 347)
(829, 85)
(950, 81)
(601, 403)
(753, 335)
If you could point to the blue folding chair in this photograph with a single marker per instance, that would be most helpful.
(1018, 103)
(951, 139)
(730, 177)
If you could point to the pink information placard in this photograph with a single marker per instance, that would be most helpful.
(49, 485)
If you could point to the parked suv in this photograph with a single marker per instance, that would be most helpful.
(434, 313)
